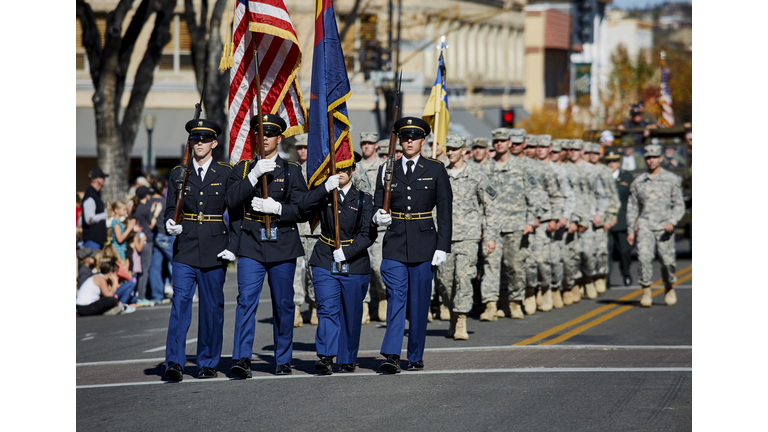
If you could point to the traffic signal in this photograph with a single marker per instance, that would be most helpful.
(583, 21)
(508, 118)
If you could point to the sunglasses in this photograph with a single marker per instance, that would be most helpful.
(202, 140)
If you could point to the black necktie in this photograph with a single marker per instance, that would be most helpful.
(408, 165)
(200, 174)
(341, 195)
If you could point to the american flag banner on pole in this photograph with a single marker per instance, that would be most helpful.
(279, 60)
(667, 116)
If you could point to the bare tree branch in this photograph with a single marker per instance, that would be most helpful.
(91, 38)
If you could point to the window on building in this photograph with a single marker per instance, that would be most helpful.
(177, 53)
(366, 36)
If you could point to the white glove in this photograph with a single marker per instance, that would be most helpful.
(382, 218)
(262, 167)
(268, 206)
(172, 227)
(332, 183)
(338, 255)
(227, 255)
(438, 258)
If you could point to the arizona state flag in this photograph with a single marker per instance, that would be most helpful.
(329, 93)
(436, 112)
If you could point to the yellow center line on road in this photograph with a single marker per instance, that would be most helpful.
(597, 311)
(607, 316)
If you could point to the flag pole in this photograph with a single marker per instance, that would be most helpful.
(332, 156)
(257, 140)
(439, 97)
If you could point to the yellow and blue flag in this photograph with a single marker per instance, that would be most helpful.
(329, 93)
(436, 112)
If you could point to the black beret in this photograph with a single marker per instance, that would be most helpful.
(202, 128)
(412, 127)
(272, 124)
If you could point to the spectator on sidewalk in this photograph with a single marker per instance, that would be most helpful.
(97, 295)
(146, 214)
(121, 230)
(87, 261)
(162, 254)
(94, 212)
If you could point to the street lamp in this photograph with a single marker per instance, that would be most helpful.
(149, 123)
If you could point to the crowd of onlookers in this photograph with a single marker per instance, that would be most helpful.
(123, 253)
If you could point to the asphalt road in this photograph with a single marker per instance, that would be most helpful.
(603, 364)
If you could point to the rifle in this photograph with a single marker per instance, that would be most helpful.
(186, 163)
(391, 152)
(257, 144)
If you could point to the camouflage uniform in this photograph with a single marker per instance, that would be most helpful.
(605, 176)
(653, 203)
(474, 214)
(580, 186)
(598, 203)
(557, 246)
(517, 202)
(371, 170)
(539, 264)
(303, 288)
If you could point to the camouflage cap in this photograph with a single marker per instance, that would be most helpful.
(652, 150)
(480, 142)
(500, 134)
(531, 140)
(575, 144)
(590, 147)
(612, 155)
(301, 140)
(557, 144)
(468, 143)
(517, 135)
(398, 146)
(370, 137)
(383, 146)
(454, 140)
(544, 140)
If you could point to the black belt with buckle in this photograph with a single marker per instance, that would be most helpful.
(200, 217)
(411, 216)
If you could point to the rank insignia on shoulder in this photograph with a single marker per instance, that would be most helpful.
(532, 180)
(491, 192)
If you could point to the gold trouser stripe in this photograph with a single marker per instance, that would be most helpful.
(411, 216)
(332, 243)
(202, 217)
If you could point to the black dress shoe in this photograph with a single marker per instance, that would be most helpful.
(284, 369)
(391, 364)
(325, 365)
(242, 368)
(415, 366)
(207, 372)
(627, 281)
(174, 372)
(347, 368)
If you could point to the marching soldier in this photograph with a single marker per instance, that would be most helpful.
(383, 151)
(474, 213)
(340, 295)
(479, 150)
(368, 167)
(272, 253)
(580, 223)
(303, 288)
(605, 175)
(553, 156)
(617, 236)
(201, 250)
(517, 206)
(655, 206)
(412, 243)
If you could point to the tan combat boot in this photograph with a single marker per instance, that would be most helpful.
(430, 315)
(490, 312)
(461, 327)
(298, 321)
(576, 293)
(383, 310)
(445, 314)
(567, 298)
(546, 300)
(529, 303)
(600, 284)
(670, 298)
(502, 307)
(313, 317)
(557, 299)
(589, 287)
(366, 315)
(516, 310)
(646, 300)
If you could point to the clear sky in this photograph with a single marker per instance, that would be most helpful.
(633, 4)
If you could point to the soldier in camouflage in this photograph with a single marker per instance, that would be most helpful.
(579, 222)
(605, 176)
(479, 151)
(598, 204)
(517, 205)
(539, 265)
(655, 206)
(303, 288)
(369, 167)
(474, 213)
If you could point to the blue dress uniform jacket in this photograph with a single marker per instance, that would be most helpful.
(204, 230)
(286, 185)
(415, 240)
(350, 212)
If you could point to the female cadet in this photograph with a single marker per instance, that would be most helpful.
(340, 294)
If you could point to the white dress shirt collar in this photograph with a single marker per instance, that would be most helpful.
(415, 161)
(204, 166)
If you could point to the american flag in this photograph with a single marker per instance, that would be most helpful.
(667, 116)
(279, 60)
